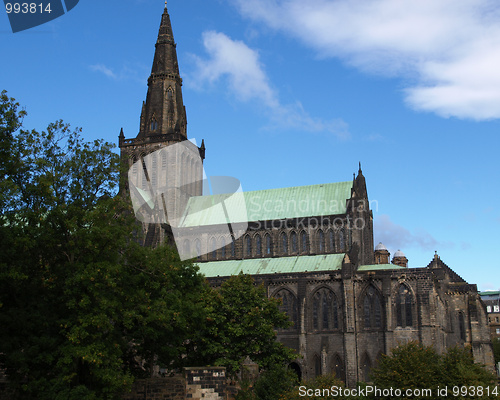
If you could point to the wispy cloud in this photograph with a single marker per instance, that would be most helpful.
(446, 50)
(240, 65)
(126, 72)
(103, 69)
(396, 237)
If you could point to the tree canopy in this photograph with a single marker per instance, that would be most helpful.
(84, 309)
(414, 366)
(241, 322)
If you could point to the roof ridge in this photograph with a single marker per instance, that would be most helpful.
(282, 188)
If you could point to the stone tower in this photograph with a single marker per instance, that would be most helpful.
(360, 222)
(164, 168)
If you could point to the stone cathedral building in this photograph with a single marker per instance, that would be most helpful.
(311, 246)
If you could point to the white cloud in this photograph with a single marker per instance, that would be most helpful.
(396, 237)
(103, 69)
(240, 65)
(447, 49)
(135, 72)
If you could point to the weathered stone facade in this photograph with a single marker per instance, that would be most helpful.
(348, 304)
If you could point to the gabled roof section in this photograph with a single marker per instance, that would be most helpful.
(271, 204)
(282, 265)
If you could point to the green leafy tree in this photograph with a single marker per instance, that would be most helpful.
(83, 308)
(10, 122)
(411, 366)
(270, 384)
(496, 349)
(240, 323)
(414, 366)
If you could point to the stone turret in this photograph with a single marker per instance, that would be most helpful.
(382, 255)
(400, 259)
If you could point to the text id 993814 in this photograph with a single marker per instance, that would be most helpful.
(28, 8)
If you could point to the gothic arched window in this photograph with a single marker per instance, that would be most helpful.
(233, 249)
(372, 309)
(169, 93)
(258, 246)
(331, 241)
(222, 248)
(213, 249)
(303, 241)
(404, 302)
(295, 246)
(289, 306)
(153, 125)
(321, 241)
(284, 243)
(269, 245)
(248, 246)
(198, 249)
(366, 366)
(338, 368)
(325, 310)
(342, 239)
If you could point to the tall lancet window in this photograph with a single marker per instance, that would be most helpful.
(222, 248)
(321, 241)
(404, 302)
(153, 125)
(295, 246)
(289, 306)
(258, 246)
(269, 245)
(284, 243)
(331, 241)
(303, 239)
(170, 107)
(325, 310)
(342, 239)
(372, 309)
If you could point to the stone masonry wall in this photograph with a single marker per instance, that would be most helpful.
(170, 388)
(207, 383)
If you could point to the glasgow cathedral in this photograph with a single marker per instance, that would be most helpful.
(311, 246)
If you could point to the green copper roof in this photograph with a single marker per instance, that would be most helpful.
(266, 205)
(489, 293)
(260, 266)
(379, 267)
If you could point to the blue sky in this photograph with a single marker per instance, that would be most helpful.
(290, 93)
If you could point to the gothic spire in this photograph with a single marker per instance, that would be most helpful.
(165, 60)
(164, 112)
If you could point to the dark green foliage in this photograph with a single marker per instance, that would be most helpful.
(409, 366)
(496, 349)
(270, 385)
(241, 322)
(83, 308)
(413, 366)
(274, 382)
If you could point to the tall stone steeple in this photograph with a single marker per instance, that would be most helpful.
(163, 167)
(164, 113)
